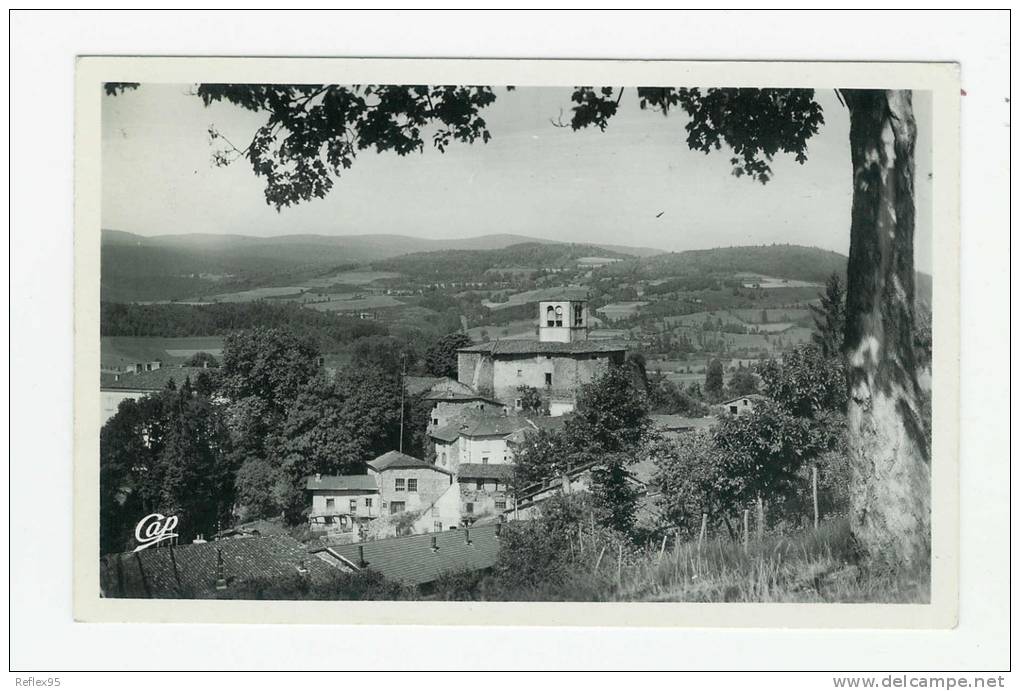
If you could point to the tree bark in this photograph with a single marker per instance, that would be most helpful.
(890, 503)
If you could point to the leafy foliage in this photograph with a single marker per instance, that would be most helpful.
(805, 382)
(313, 133)
(714, 378)
(756, 124)
(441, 356)
(167, 452)
(830, 318)
(532, 402)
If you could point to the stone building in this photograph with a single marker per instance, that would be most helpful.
(557, 364)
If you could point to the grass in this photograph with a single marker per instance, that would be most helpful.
(807, 566)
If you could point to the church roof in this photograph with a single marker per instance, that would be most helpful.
(522, 346)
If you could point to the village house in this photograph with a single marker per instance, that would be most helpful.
(741, 405)
(342, 503)
(449, 407)
(407, 483)
(484, 490)
(115, 387)
(484, 440)
(557, 364)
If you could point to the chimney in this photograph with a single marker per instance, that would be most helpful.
(361, 557)
(435, 544)
(221, 578)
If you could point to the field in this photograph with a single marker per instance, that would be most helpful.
(357, 278)
(368, 303)
(258, 294)
(620, 310)
(770, 282)
(118, 351)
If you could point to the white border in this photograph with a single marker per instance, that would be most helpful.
(941, 79)
(44, 636)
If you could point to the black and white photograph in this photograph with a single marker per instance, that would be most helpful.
(353, 343)
(517, 344)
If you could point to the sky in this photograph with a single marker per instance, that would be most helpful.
(532, 178)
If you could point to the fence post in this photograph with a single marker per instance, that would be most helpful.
(747, 513)
(704, 528)
(761, 519)
(814, 491)
(619, 565)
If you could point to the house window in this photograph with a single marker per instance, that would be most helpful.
(469, 508)
(501, 505)
(435, 421)
(485, 460)
(354, 505)
(745, 401)
(479, 484)
(412, 485)
(368, 502)
(733, 409)
(559, 316)
(517, 403)
(396, 506)
(438, 526)
(330, 503)
(520, 373)
(548, 378)
(398, 484)
(550, 316)
(578, 315)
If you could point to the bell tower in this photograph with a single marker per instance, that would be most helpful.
(562, 321)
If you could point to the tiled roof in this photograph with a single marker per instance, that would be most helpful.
(190, 570)
(394, 459)
(446, 395)
(485, 471)
(412, 560)
(153, 380)
(493, 426)
(750, 396)
(512, 346)
(362, 483)
(416, 385)
(449, 433)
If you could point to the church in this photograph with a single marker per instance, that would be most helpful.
(557, 363)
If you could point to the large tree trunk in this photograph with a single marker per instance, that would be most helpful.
(890, 499)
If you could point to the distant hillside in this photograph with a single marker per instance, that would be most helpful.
(467, 265)
(164, 267)
(793, 262)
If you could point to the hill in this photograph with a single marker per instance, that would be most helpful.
(468, 265)
(793, 262)
(174, 267)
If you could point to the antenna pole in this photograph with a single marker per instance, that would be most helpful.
(402, 373)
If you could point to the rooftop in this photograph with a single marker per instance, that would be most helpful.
(394, 459)
(513, 346)
(189, 571)
(412, 560)
(486, 471)
(748, 396)
(363, 483)
(153, 380)
(460, 396)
